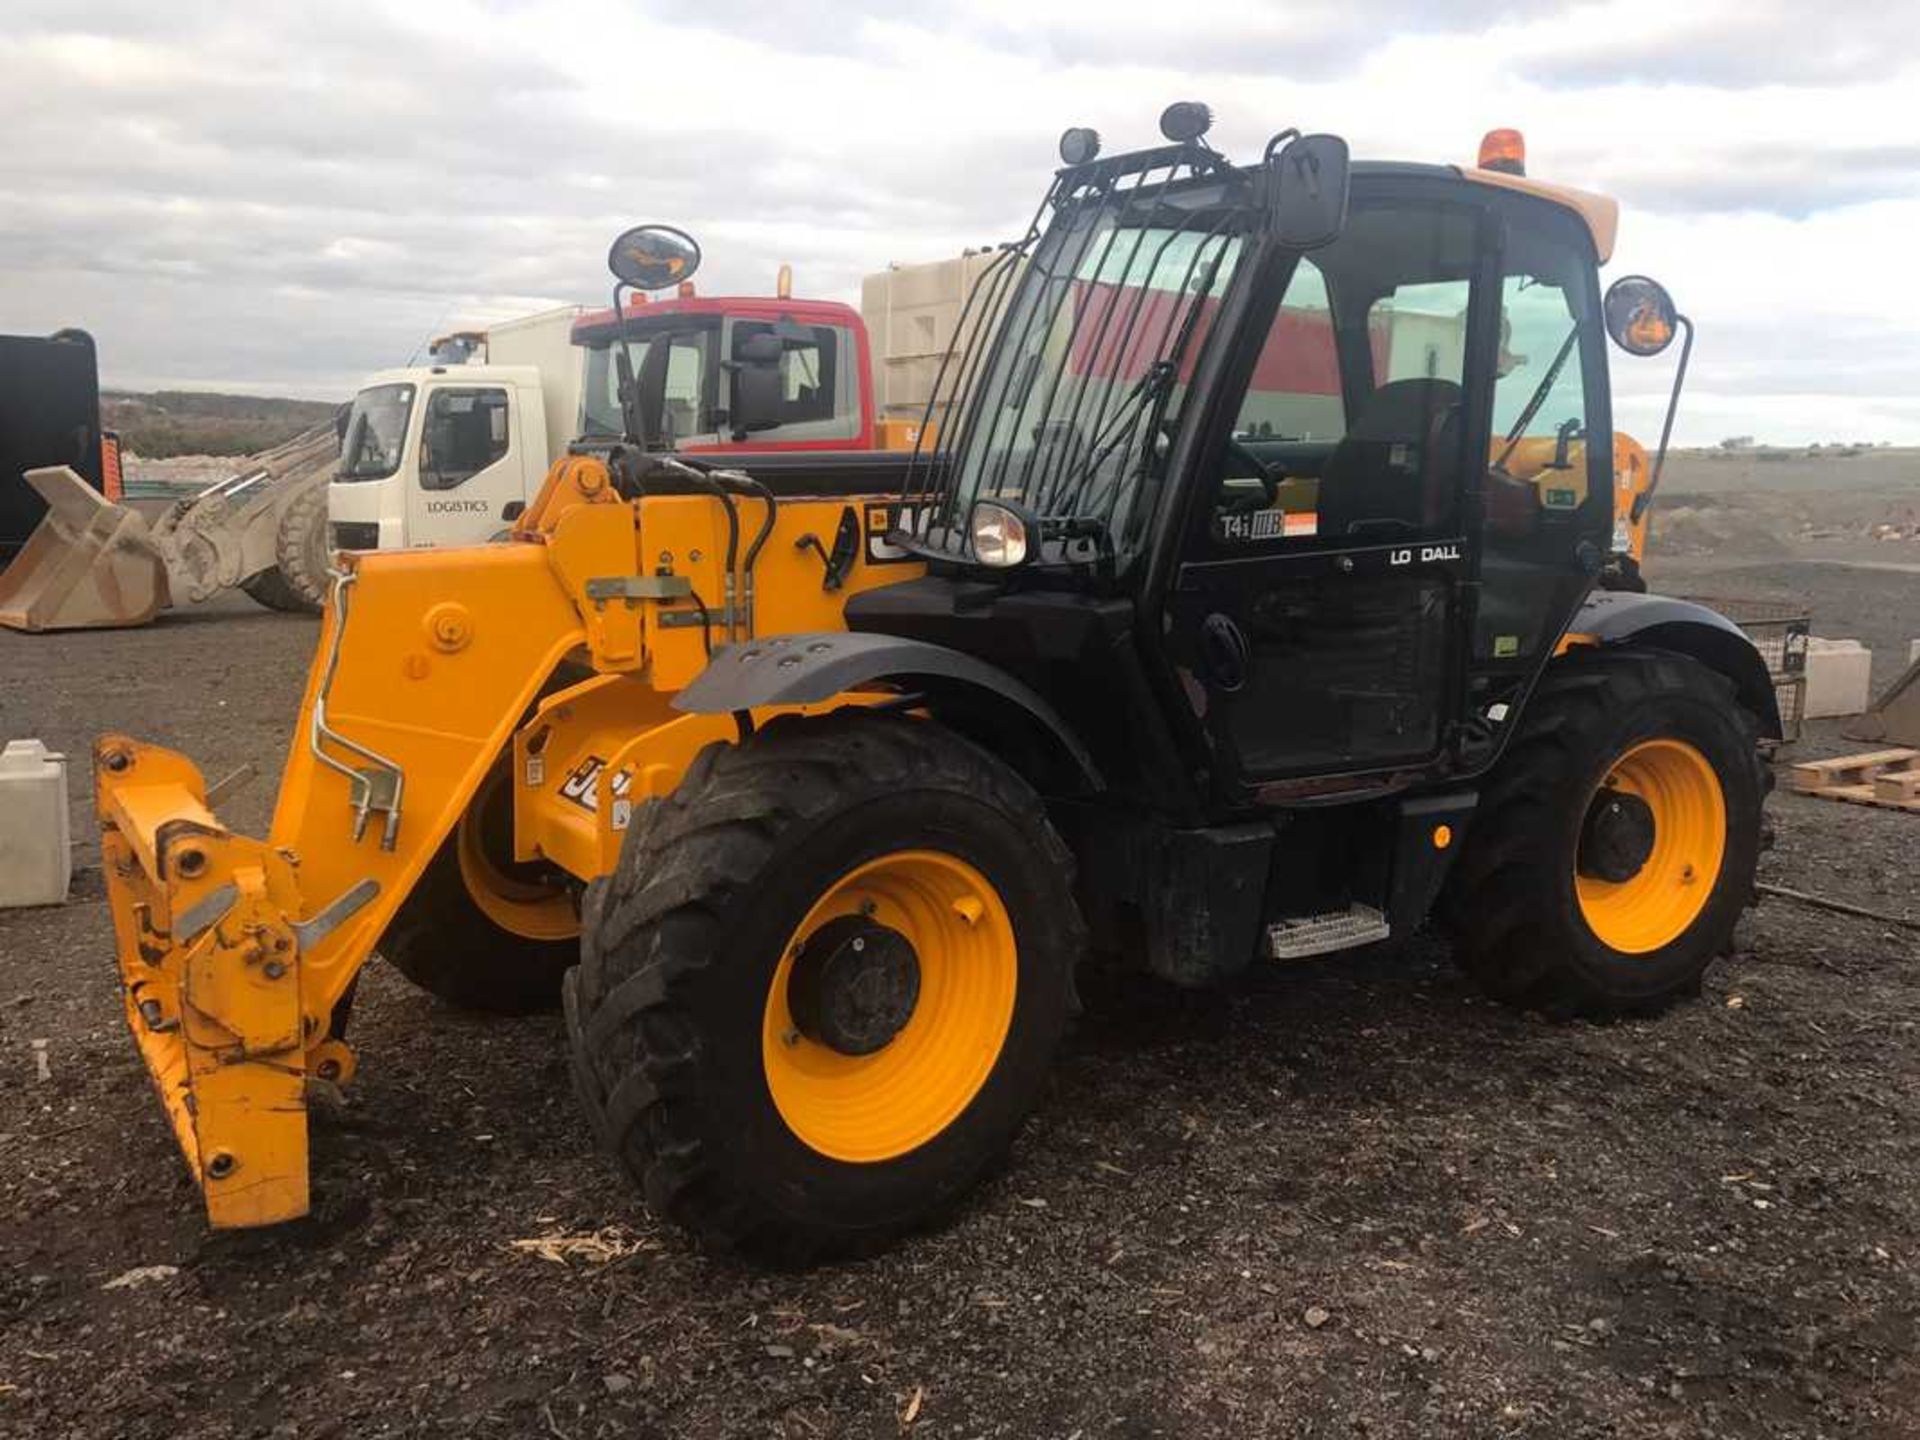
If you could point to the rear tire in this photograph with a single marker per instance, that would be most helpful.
(302, 550)
(686, 1014)
(479, 931)
(1535, 918)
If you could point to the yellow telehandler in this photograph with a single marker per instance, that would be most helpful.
(1249, 609)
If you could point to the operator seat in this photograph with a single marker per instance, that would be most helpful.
(1393, 470)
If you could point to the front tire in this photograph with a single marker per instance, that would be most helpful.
(765, 1085)
(479, 931)
(1615, 845)
(302, 551)
(270, 588)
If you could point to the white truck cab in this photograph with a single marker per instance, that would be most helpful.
(449, 454)
(438, 457)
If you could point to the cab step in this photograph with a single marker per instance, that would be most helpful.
(1295, 937)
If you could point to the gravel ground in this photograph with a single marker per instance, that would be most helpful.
(1350, 1199)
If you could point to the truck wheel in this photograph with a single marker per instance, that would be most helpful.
(478, 930)
(1615, 845)
(820, 992)
(301, 549)
(270, 588)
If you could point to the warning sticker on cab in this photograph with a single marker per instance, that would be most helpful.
(884, 518)
(1246, 527)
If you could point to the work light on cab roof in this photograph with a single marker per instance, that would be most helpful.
(1185, 121)
(1079, 145)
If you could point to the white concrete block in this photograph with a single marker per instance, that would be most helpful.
(1913, 652)
(1839, 677)
(36, 862)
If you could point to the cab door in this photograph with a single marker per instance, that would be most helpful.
(1315, 616)
(469, 465)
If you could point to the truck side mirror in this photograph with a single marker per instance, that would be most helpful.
(758, 388)
(652, 257)
(1309, 191)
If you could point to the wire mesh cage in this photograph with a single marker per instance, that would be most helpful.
(1779, 630)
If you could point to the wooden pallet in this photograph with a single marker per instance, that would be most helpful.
(1886, 778)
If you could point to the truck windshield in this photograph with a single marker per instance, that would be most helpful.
(376, 434)
(1103, 322)
(600, 390)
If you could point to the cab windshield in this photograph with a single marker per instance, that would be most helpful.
(376, 434)
(1084, 383)
(686, 402)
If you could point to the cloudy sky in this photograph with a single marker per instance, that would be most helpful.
(280, 197)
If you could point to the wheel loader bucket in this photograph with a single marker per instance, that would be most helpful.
(88, 564)
(1893, 719)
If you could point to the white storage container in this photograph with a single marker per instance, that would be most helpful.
(1839, 677)
(36, 860)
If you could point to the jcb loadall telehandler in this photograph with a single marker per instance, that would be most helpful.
(1246, 611)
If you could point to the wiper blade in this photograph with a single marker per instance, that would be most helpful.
(1537, 399)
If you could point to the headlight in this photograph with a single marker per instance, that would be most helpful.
(998, 533)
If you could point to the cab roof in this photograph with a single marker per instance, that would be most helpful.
(596, 323)
(1600, 213)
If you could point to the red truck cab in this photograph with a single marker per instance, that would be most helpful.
(825, 375)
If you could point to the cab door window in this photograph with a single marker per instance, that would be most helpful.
(1349, 432)
(466, 431)
(1547, 490)
(1290, 420)
(1538, 464)
(813, 397)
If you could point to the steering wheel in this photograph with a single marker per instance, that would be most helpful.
(1269, 476)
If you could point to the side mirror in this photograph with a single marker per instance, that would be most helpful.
(1310, 191)
(758, 391)
(653, 257)
(1640, 315)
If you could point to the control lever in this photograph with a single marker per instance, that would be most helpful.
(846, 546)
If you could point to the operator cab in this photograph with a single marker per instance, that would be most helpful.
(1315, 434)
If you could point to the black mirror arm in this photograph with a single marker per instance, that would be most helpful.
(1645, 497)
(630, 417)
(1290, 133)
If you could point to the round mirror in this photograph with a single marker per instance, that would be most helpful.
(1640, 315)
(652, 257)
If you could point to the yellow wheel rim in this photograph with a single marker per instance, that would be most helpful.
(867, 1108)
(533, 912)
(1654, 907)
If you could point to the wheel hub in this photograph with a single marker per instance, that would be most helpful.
(1617, 837)
(854, 985)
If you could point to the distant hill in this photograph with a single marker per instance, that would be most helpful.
(191, 422)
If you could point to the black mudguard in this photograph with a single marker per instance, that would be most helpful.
(1614, 617)
(806, 669)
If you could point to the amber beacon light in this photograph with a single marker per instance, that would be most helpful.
(1504, 151)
